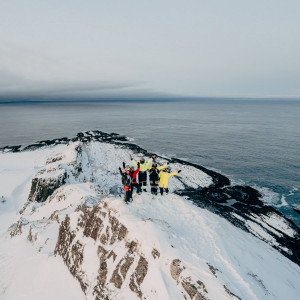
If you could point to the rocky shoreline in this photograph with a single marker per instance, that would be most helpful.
(240, 205)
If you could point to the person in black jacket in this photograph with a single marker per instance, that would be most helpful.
(154, 178)
(133, 174)
(127, 182)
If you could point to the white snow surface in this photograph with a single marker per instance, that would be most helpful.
(250, 268)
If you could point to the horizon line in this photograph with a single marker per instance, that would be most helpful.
(148, 99)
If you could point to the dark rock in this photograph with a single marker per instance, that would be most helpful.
(42, 188)
(33, 147)
(297, 210)
(230, 293)
(213, 270)
(11, 148)
(239, 204)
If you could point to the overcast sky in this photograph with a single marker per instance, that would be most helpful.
(142, 48)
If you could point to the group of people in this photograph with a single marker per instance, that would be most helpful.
(158, 177)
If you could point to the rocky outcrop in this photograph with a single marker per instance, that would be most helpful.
(71, 252)
(155, 253)
(230, 293)
(84, 137)
(16, 229)
(115, 271)
(59, 168)
(213, 270)
(240, 205)
(42, 188)
(192, 289)
(120, 263)
(137, 277)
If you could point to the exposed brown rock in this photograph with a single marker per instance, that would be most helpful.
(56, 158)
(21, 211)
(102, 273)
(202, 285)
(58, 196)
(112, 254)
(30, 237)
(176, 268)
(138, 276)
(121, 268)
(65, 238)
(82, 220)
(54, 217)
(93, 227)
(72, 253)
(131, 246)
(101, 252)
(76, 257)
(101, 294)
(91, 222)
(118, 230)
(16, 229)
(192, 290)
(103, 238)
(155, 253)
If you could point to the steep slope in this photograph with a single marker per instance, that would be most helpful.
(162, 247)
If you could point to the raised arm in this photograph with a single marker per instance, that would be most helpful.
(175, 173)
(133, 161)
(149, 162)
(163, 166)
(120, 170)
(137, 170)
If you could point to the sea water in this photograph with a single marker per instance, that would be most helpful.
(253, 142)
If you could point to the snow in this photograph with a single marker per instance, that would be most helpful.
(90, 259)
(26, 274)
(16, 173)
(249, 267)
(200, 237)
(279, 223)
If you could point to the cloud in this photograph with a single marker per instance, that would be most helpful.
(208, 48)
(16, 88)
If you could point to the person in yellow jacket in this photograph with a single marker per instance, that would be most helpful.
(144, 166)
(153, 176)
(164, 176)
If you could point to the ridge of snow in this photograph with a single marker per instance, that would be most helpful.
(248, 267)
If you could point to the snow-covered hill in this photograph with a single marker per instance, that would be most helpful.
(66, 232)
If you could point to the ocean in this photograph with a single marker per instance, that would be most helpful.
(254, 142)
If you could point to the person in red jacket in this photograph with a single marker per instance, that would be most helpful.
(133, 174)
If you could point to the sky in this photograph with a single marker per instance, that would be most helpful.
(76, 49)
